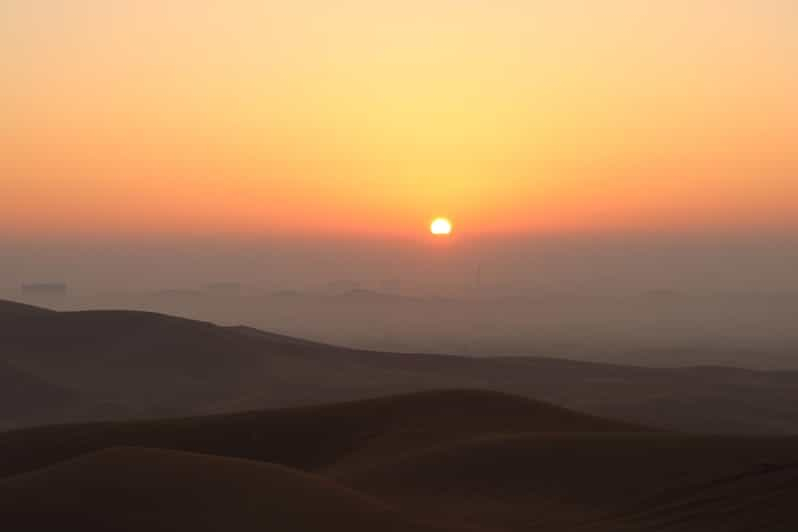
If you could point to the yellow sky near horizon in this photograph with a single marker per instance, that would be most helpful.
(374, 117)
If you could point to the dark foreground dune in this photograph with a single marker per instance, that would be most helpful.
(128, 489)
(450, 460)
(596, 481)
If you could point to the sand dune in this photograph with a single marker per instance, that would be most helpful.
(129, 489)
(444, 447)
(137, 364)
(644, 481)
(13, 308)
(27, 399)
(335, 437)
(450, 460)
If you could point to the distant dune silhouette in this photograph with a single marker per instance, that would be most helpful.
(124, 364)
(13, 308)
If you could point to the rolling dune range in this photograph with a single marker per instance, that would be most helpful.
(230, 428)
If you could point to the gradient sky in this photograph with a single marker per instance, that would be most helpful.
(247, 117)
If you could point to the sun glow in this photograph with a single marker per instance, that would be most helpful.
(441, 227)
(530, 119)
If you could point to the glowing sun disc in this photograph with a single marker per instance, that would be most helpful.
(440, 227)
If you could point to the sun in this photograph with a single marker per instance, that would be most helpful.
(441, 227)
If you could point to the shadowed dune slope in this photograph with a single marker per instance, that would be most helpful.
(498, 482)
(138, 359)
(13, 308)
(336, 437)
(26, 398)
(129, 489)
(644, 481)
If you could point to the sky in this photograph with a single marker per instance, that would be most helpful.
(145, 119)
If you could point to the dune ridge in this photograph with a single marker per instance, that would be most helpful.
(129, 364)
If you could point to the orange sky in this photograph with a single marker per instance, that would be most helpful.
(248, 117)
